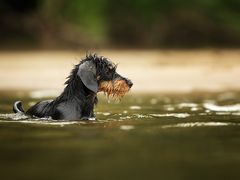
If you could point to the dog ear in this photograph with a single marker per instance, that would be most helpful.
(87, 73)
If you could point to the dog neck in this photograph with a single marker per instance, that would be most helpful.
(75, 89)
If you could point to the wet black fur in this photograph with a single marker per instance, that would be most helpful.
(76, 101)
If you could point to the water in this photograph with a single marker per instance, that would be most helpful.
(145, 136)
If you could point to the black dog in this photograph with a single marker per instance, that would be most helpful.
(92, 75)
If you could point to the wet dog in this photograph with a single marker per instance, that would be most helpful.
(92, 75)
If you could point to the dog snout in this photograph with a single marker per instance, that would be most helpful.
(129, 83)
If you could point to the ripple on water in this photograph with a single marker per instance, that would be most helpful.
(199, 124)
(192, 106)
(127, 127)
(106, 113)
(228, 108)
(141, 116)
(177, 115)
(136, 116)
(135, 107)
(236, 114)
(44, 122)
(187, 105)
(21, 118)
(125, 117)
(13, 116)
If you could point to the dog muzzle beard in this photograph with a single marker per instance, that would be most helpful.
(114, 89)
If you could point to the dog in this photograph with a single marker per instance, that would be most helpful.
(92, 75)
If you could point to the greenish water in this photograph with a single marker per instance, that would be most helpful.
(145, 136)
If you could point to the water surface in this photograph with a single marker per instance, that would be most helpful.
(144, 136)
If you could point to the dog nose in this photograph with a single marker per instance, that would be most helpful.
(129, 82)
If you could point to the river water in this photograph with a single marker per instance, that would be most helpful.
(144, 136)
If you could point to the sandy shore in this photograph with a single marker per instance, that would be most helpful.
(150, 70)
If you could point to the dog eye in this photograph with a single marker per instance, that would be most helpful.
(109, 71)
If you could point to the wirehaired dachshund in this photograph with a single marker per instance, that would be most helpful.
(92, 75)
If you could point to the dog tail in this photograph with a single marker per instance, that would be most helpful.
(17, 107)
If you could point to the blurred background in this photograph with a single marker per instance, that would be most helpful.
(175, 42)
(122, 24)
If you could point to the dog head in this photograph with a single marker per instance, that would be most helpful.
(99, 74)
